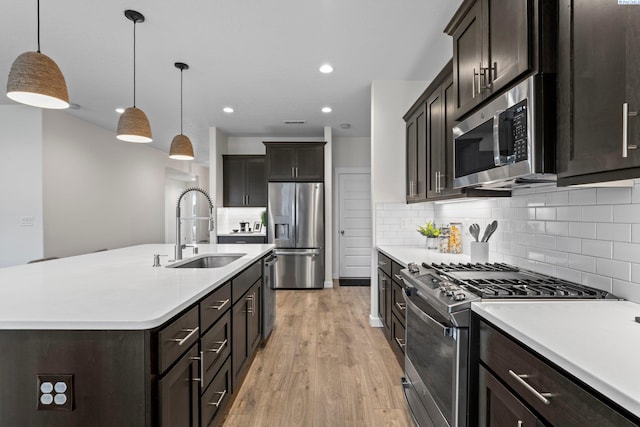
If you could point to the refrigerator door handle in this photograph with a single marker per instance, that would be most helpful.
(298, 252)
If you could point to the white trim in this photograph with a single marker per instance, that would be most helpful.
(375, 321)
(336, 213)
(328, 284)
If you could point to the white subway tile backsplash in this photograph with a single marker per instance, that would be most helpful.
(546, 242)
(597, 213)
(597, 248)
(569, 274)
(569, 244)
(613, 196)
(612, 268)
(569, 213)
(557, 228)
(626, 213)
(582, 263)
(558, 198)
(628, 290)
(535, 200)
(635, 233)
(585, 230)
(585, 196)
(535, 227)
(548, 269)
(546, 214)
(556, 258)
(599, 282)
(535, 254)
(626, 251)
(616, 232)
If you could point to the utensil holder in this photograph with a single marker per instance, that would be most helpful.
(479, 252)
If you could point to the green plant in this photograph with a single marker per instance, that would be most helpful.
(430, 230)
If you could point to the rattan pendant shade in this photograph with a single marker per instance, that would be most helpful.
(181, 147)
(133, 124)
(36, 80)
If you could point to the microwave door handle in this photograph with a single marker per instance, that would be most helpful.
(496, 138)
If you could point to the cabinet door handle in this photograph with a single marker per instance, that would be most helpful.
(221, 344)
(400, 342)
(201, 359)
(220, 305)
(293, 172)
(482, 73)
(217, 404)
(625, 130)
(382, 263)
(473, 83)
(541, 396)
(399, 277)
(181, 341)
(401, 306)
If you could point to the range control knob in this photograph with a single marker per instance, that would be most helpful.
(459, 296)
(443, 288)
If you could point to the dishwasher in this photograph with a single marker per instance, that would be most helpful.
(268, 295)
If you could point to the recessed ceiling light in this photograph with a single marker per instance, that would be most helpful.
(227, 110)
(326, 109)
(119, 110)
(326, 69)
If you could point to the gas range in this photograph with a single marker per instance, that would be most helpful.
(451, 288)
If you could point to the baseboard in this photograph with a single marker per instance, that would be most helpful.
(375, 321)
(328, 284)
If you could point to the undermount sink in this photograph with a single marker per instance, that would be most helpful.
(207, 261)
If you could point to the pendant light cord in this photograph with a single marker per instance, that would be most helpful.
(181, 101)
(134, 63)
(38, 10)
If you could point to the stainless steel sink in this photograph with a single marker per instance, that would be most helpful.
(207, 261)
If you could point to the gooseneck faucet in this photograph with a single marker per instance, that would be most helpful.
(179, 245)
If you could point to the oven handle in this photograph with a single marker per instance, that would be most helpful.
(447, 331)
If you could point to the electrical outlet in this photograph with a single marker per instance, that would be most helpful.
(55, 392)
(26, 221)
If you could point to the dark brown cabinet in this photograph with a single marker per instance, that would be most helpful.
(429, 124)
(490, 48)
(178, 389)
(295, 161)
(537, 386)
(391, 306)
(599, 92)
(244, 181)
(384, 292)
(245, 332)
(499, 407)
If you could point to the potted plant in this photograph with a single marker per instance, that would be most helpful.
(431, 232)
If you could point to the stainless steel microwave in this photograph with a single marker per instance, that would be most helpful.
(510, 142)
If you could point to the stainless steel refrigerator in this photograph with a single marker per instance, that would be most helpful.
(296, 227)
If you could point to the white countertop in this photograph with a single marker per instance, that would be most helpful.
(596, 341)
(406, 254)
(115, 289)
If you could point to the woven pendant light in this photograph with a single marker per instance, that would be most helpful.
(181, 148)
(133, 125)
(35, 79)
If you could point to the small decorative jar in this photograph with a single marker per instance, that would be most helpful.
(455, 238)
(443, 241)
(432, 243)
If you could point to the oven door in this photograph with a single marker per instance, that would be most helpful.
(436, 356)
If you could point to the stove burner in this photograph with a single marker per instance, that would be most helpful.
(470, 267)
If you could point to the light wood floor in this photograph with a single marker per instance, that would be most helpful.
(322, 366)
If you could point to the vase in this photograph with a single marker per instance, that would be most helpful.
(432, 243)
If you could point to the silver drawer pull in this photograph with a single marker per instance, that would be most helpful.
(399, 277)
(400, 342)
(381, 263)
(401, 306)
(181, 341)
(219, 349)
(541, 396)
(217, 404)
(221, 304)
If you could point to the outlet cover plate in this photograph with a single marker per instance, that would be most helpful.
(55, 392)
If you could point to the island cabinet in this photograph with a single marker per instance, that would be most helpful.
(518, 387)
(494, 43)
(244, 181)
(295, 161)
(598, 92)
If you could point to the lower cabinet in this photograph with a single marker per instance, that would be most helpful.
(391, 306)
(245, 318)
(216, 396)
(179, 396)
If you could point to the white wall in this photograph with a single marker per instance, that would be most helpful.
(20, 184)
(99, 192)
(351, 152)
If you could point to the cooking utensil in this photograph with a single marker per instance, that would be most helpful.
(491, 228)
(474, 230)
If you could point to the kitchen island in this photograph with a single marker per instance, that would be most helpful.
(123, 342)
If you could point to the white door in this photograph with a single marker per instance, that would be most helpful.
(355, 224)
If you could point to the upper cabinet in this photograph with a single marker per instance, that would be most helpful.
(244, 181)
(416, 153)
(300, 161)
(599, 91)
(494, 42)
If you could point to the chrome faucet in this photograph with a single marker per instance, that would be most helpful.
(179, 246)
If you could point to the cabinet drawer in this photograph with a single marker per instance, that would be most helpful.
(216, 397)
(242, 239)
(398, 339)
(395, 273)
(384, 263)
(177, 337)
(560, 400)
(241, 283)
(214, 306)
(216, 346)
(397, 302)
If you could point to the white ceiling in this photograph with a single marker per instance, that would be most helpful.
(259, 56)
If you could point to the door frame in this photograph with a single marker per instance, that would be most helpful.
(337, 172)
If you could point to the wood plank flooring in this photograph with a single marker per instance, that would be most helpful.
(323, 365)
